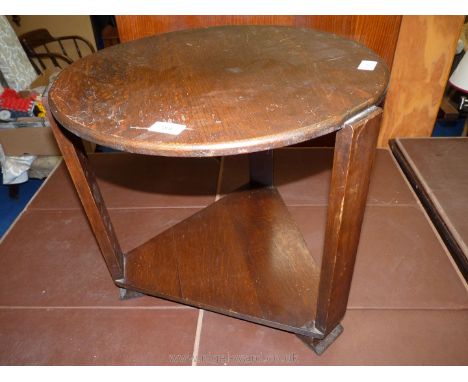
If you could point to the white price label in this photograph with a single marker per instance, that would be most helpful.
(367, 65)
(167, 128)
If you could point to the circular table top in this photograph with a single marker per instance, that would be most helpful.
(236, 89)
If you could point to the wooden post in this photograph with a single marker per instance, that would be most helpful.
(352, 164)
(261, 168)
(85, 183)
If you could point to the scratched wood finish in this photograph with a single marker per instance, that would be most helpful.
(83, 178)
(379, 33)
(352, 163)
(242, 256)
(238, 89)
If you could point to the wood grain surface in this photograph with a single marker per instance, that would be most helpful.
(242, 256)
(379, 33)
(423, 58)
(238, 89)
(352, 164)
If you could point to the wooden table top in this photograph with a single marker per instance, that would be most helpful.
(237, 89)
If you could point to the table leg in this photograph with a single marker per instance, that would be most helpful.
(261, 168)
(352, 164)
(128, 294)
(85, 183)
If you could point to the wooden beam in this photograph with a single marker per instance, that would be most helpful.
(74, 155)
(352, 164)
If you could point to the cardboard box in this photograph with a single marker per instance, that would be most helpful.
(45, 78)
(34, 140)
(28, 140)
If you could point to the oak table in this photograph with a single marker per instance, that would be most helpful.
(227, 91)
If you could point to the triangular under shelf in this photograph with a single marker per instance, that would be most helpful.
(242, 256)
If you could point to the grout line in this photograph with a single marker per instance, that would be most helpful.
(220, 177)
(218, 196)
(305, 147)
(87, 307)
(392, 205)
(196, 345)
(409, 308)
(160, 207)
(120, 208)
(367, 205)
(26, 207)
(201, 311)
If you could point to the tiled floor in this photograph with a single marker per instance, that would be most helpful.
(58, 305)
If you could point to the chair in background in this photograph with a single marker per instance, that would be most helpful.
(39, 45)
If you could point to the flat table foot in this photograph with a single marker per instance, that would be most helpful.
(320, 345)
(127, 294)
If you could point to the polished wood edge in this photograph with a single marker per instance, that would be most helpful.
(242, 146)
(424, 196)
(363, 116)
